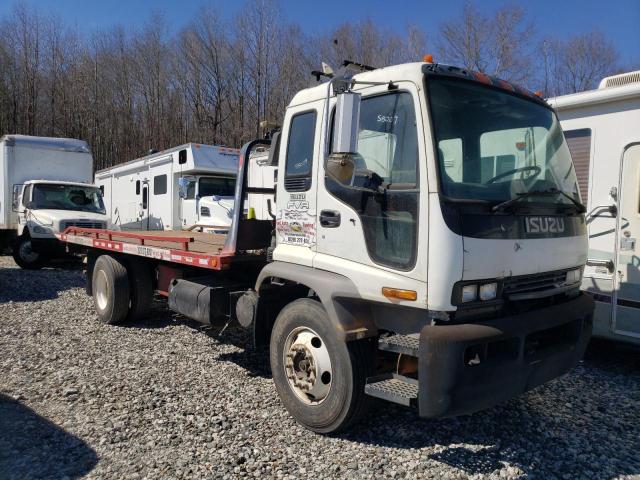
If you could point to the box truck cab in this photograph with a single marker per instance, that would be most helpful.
(45, 187)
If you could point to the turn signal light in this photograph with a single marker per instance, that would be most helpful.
(400, 294)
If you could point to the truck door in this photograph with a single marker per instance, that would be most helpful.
(188, 205)
(372, 237)
(296, 215)
(627, 307)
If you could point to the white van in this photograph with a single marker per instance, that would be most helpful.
(602, 129)
(45, 187)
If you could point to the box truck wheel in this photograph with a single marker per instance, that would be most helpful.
(319, 378)
(110, 289)
(24, 255)
(141, 287)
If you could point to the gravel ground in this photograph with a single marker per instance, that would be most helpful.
(166, 399)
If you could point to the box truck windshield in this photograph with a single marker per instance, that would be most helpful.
(494, 147)
(66, 197)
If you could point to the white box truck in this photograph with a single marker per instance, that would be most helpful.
(382, 275)
(45, 187)
(188, 187)
(602, 128)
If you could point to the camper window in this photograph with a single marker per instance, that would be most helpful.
(137, 187)
(159, 184)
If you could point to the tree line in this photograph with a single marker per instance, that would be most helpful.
(127, 91)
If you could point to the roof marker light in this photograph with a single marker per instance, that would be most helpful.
(428, 58)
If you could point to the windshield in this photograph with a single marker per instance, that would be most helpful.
(67, 197)
(220, 186)
(493, 146)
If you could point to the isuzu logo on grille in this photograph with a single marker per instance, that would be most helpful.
(544, 224)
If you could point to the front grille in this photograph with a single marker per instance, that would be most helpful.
(81, 224)
(538, 282)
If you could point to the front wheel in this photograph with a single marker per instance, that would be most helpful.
(25, 256)
(319, 378)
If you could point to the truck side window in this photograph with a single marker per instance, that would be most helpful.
(160, 184)
(388, 147)
(300, 147)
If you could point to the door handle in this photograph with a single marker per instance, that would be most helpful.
(329, 218)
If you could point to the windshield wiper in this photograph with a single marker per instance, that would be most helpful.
(543, 193)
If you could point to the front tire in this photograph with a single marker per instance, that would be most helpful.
(319, 378)
(24, 256)
(110, 286)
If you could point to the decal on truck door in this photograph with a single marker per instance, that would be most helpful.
(296, 224)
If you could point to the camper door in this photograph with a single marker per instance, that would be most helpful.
(627, 305)
(160, 205)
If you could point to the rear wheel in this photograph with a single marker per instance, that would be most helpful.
(25, 256)
(141, 287)
(319, 378)
(110, 286)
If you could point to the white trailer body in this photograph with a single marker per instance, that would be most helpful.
(144, 194)
(602, 128)
(45, 186)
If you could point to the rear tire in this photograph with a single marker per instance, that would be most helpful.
(110, 286)
(304, 336)
(24, 256)
(141, 286)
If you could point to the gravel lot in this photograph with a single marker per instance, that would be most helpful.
(165, 399)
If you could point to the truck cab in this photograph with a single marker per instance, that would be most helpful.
(450, 228)
(45, 208)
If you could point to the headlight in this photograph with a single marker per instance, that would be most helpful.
(573, 276)
(469, 293)
(488, 291)
(41, 230)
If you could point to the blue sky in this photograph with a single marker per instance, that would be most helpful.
(618, 19)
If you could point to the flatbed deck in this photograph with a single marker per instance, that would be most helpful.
(204, 250)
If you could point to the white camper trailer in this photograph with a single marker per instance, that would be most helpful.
(602, 128)
(45, 187)
(184, 187)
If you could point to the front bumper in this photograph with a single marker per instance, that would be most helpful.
(469, 367)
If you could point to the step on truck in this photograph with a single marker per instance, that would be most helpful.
(426, 248)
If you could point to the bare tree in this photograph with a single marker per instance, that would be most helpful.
(497, 45)
(579, 63)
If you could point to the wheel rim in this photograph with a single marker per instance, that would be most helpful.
(27, 253)
(307, 365)
(102, 290)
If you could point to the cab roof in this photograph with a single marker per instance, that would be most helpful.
(415, 72)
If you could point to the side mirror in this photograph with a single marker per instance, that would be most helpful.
(274, 151)
(341, 167)
(346, 125)
(183, 185)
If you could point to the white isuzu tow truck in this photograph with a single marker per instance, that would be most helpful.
(427, 249)
(45, 187)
